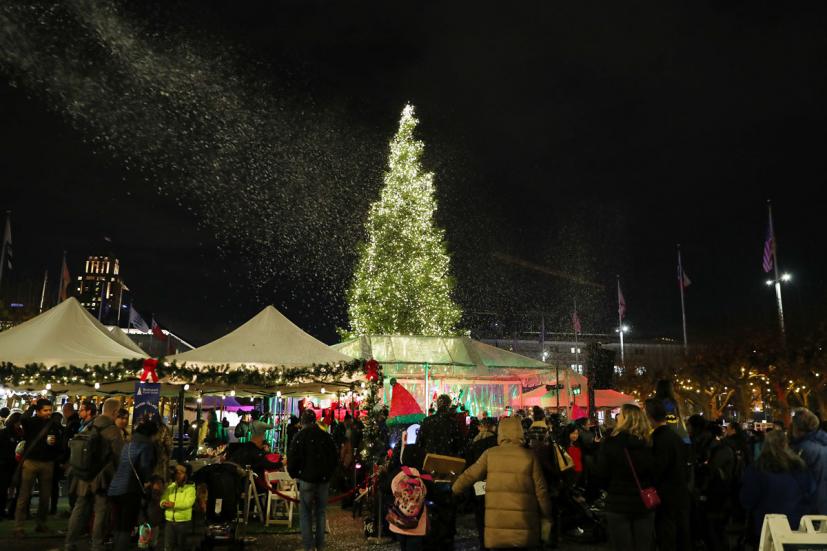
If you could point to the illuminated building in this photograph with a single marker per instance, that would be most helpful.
(100, 289)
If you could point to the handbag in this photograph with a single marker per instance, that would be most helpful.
(564, 460)
(649, 495)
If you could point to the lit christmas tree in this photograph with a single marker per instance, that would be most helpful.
(402, 283)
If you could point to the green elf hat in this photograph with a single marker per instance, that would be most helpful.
(404, 409)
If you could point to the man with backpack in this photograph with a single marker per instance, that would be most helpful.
(93, 456)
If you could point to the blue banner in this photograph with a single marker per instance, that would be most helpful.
(147, 397)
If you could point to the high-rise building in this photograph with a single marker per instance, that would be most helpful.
(100, 289)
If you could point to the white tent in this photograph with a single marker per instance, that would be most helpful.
(63, 336)
(119, 335)
(267, 340)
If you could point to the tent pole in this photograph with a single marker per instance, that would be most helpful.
(181, 424)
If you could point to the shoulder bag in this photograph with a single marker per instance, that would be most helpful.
(649, 495)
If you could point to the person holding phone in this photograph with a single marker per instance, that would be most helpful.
(39, 455)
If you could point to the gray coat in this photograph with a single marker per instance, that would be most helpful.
(111, 434)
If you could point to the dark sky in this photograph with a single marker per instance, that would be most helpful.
(587, 137)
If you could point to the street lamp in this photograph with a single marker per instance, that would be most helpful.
(620, 331)
(783, 278)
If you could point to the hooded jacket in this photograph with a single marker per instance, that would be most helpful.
(813, 450)
(516, 493)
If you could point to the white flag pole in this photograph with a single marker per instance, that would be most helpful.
(777, 278)
(681, 279)
(620, 325)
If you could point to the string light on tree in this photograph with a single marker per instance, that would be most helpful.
(402, 284)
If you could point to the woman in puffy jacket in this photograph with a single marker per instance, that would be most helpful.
(630, 524)
(515, 494)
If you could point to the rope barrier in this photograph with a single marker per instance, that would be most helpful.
(331, 500)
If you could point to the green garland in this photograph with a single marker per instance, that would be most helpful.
(40, 375)
(371, 452)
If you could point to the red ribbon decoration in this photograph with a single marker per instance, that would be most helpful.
(150, 365)
(372, 370)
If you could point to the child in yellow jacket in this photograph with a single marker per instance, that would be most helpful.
(177, 502)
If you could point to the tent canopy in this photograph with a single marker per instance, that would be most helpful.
(267, 340)
(119, 335)
(405, 355)
(603, 398)
(63, 336)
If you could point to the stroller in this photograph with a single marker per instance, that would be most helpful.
(580, 522)
(224, 484)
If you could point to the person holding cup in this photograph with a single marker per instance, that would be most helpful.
(38, 463)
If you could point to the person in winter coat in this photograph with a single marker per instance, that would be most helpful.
(811, 444)
(91, 494)
(177, 502)
(128, 486)
(411, 456)
(10, 436)
(779, 483)
(484, 440)
(516, 494)
(439, 432)
(538, 430)
(42, 448)
(630, 523)
(312, 460)
(671, 472)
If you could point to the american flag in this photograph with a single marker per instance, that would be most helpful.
(621, 302)
(575, 322)
(769, 250)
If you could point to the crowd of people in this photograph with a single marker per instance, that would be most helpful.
(645, 479)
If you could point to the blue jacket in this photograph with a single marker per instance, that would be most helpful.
(813, 450)
(141, 452)
(788, 493)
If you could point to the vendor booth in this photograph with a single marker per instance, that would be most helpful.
(478, 376)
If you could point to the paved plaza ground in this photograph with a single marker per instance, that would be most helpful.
(346, 535)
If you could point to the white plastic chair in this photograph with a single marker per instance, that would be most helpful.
(282, 482)
(776, 534)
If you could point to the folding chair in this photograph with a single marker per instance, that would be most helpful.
(279, 509)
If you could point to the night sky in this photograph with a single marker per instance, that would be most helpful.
(587, 138)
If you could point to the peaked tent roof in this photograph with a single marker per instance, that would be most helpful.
(62, 336)
(119, 335)
(267, 340)
(462, 354)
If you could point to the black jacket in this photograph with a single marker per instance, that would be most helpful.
(312, 456)
(439, 434)
(613, 468)
(671, 471)
(37, 446)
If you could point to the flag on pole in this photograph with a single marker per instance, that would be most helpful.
(769, 250)
(575, 322)
(7, 248)
(136, 321)
(156, 330)
(621, 302)
(65, 277)
(683, 279)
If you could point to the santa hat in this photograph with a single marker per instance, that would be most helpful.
(404, 409)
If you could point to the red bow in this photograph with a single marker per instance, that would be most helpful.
(150, 365)
(372, 370)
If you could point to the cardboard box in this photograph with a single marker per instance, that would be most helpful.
(443, 468)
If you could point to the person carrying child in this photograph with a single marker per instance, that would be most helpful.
(177, 502)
